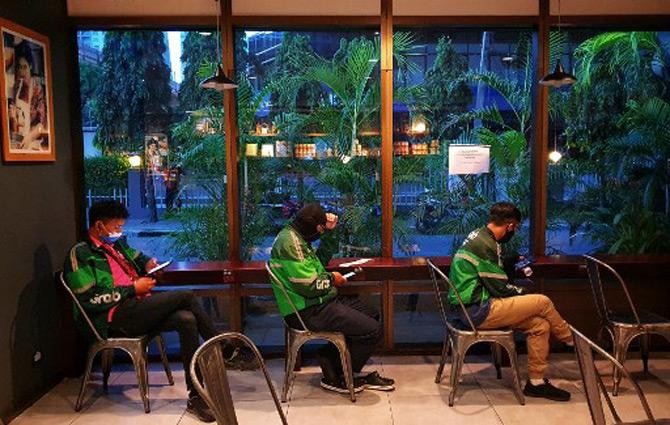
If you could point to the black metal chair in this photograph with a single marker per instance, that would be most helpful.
(593, 383)
(623, 327)
(135, 347)
(212, 381)
(297, 337)
(458, 341)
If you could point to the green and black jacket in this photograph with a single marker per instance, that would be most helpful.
(301, 270)
(477, 270)
(88, 274)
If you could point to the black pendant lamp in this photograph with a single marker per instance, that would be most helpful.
(558, 78)
(219, 81)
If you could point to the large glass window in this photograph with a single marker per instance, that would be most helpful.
(608, 192)
(308, 110)
(459, 87)
(154, 140)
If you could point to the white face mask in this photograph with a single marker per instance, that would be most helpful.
(112, 237)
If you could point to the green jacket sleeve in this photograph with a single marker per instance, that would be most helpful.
(498, 285)
(306, 279)
(82, 279)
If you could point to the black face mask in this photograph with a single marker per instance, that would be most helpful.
(508, 235)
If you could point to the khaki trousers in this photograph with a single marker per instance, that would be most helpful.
(536, 316)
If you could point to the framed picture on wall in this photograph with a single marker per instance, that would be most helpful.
(26, 101)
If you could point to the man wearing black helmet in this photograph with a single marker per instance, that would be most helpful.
(313, 291)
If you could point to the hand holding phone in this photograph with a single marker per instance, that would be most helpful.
(158, 267)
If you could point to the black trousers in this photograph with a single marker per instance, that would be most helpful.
(357, 321)
(166, 311)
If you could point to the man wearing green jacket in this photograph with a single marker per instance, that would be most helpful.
(110, 281)
(494, 302)
(313, 291)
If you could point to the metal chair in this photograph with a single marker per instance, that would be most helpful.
(208, 367)
(297, 337)
(135, 347)
(593, 383)
(623, 327)
(458, 341)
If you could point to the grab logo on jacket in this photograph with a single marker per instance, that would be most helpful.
(106, 298)
(322, 284)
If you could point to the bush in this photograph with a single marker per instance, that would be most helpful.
(105, 173)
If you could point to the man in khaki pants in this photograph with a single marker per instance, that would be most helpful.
(493, 302)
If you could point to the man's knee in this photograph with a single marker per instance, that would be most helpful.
(184, 319)
(371, 331)
(539, 326)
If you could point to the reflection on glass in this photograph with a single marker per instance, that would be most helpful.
(308, 109)
(459, 87)
(609, 191)
(153, 139)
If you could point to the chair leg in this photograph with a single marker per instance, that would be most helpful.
(138, 355)
(620, 350)
(166, 365)
(457, 358)
(644, 351)
(511, 352)
(446, 345)
(106, 359)
(87, 374)
(289, 372)
(345, 358)
(496, 352)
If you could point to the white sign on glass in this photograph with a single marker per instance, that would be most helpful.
(469, 159)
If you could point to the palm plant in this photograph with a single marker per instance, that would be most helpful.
(617, 131)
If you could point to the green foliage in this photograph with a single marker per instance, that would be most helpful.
(197, 50)
(134, 98)
(616, 125)
(89, 80)
(104, 174)
(445, 93)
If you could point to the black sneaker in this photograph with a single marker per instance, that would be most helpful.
(242, 360)
(341, 387)
(374, 381)
(197, 406)
(546, 390)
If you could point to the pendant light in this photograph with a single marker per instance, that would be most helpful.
(219, 81)
(558, 77)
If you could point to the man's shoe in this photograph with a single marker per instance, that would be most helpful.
(242, 360)
(197, 406)
(546, 390)
(374, 381)
(340, 387)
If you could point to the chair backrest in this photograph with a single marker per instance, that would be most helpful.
(61, 277)
(280, 285)
(210, 379)
(593, 269)
(434, 273)
(593, 384)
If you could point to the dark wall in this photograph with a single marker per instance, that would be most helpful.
(37, 226)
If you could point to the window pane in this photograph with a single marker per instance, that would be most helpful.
(308, 109)
(154, 140)
(459, 87)
(608, 192)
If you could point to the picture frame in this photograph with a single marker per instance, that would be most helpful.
(26, 95)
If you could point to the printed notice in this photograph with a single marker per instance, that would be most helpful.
(469, 159)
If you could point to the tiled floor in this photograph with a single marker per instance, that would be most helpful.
(481, 398)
